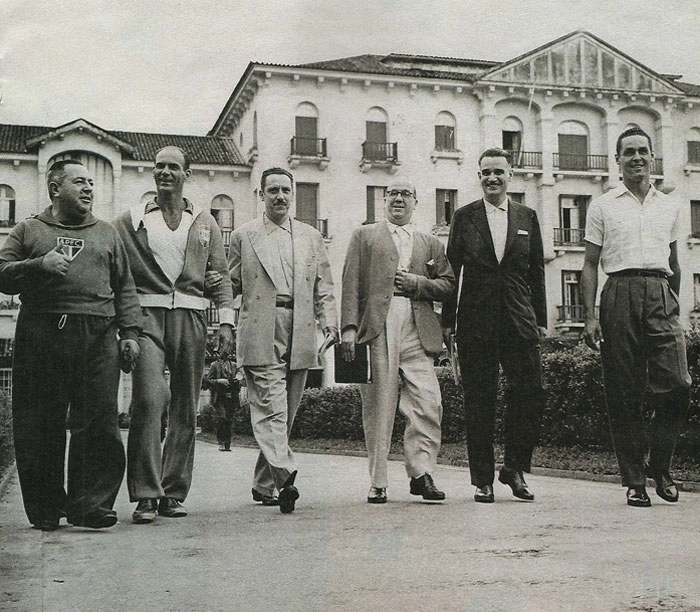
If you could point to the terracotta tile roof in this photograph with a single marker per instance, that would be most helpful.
(202, 149)
(689, 88)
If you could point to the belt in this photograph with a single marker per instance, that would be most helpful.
(639, 272)
(284, 302)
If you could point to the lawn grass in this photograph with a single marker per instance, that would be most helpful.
(597, 462)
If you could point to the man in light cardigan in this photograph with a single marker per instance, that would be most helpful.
(171, 244)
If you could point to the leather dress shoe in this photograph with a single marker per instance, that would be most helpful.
(484, 494)
(425, 487)
(267, 500)
(145, 511)
(46, 524)
(514, 479)
(637, 497)
(171, 507)
(377, 495)
(288, 494)
(100, 519)
(287, 498)
(666, 489)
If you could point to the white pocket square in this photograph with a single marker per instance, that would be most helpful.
(522, 232)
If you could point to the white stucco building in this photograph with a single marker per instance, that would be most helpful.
(345, 126)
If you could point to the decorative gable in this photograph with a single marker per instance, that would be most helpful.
(581, 59)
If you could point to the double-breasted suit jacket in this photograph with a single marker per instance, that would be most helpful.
(250, 266)
(368, 283)
(491, 290)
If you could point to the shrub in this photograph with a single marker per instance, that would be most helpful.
(7, 450)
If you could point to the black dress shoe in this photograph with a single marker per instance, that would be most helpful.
(100, 519)
(287, 498)
(425, 487)
(267, 500)
(514, 479)
(637, 497)
(50, 524)
(665, 487)
(171, 507)
(377, 495)
(484, 494)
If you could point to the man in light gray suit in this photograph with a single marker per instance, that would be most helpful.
(392, 276)
(280, 267)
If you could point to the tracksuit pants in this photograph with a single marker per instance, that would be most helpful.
(61, 361)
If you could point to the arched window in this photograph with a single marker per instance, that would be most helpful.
(222, 211)
(445, 131)
(7, 206)
(573, 145)
(694, 146)
(376, 147)
(306, 141)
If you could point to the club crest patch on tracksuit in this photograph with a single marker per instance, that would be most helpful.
(70, 246)
(204, 235)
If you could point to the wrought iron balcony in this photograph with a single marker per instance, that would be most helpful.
(568, 236)
(568, 161)
(380, 151)
(320, 224)
(526, 159)
(657, 166)
(314, 147)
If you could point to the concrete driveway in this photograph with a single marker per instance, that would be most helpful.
(578, 547)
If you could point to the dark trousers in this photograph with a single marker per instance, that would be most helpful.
(225, 408)
(61, 361)
(643, 347)
(479, 364)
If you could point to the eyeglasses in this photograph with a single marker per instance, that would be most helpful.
(395, 193)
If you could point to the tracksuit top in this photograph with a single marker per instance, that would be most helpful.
(205, 251)
(98, 281)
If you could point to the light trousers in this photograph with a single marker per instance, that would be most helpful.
(401, 372)
(176, 338)
(274, 393)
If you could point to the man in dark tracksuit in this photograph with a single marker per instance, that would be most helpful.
(72, 274)
(224, 387)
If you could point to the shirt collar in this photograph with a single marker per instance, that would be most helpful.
(622, 190)
(408, 228)
(490, 208)
(271, 226)
(139, 211)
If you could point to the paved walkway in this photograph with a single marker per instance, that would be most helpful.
(578, 547)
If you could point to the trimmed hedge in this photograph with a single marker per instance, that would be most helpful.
(7, 449)
(574, 415)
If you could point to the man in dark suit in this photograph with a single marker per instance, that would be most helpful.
(497, 247)
(391, 277)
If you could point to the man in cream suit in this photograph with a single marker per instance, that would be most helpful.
(392, 276)
(280, 267)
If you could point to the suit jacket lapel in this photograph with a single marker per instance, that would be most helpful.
(478, 218)
(257, 240)
(513, 224)
(299, 259)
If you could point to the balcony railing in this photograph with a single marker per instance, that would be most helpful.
(568, 236)
(212, 315)
(320, 224)
(657, 166)
(526, 159)
(314, 147)
(572, 313)
(568, 161)
(380, 151)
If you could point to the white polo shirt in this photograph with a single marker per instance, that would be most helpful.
(632, 234)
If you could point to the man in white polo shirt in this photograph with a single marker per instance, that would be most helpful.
(171, 244)
(632, 231)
